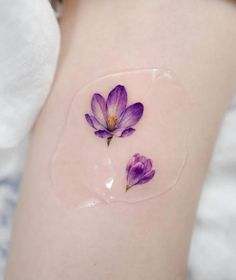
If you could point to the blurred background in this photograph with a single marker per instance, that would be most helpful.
(213, 248)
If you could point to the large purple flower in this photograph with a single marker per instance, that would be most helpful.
(112, 117)
(139, 171)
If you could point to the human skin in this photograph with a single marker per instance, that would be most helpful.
(149, 239)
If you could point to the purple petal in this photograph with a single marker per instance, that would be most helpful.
(98, 106)
(103, 134)
(127, 132)
(117, 101)
(131, 162)
(146, 178)
(92, 121)
(89, 120)
(140, 158)
(131, 115)
(148, 165)
(135, 174)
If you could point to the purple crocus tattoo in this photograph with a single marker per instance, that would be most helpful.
(112, 117)
(139, 171)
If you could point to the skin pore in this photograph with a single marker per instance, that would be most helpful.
(148, 240)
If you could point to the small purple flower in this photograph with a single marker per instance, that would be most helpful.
(139, 171)
(112, 117)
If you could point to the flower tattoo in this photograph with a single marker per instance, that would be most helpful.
(139, 171)
(112, 117)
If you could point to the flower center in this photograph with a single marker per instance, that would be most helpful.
(111, 122)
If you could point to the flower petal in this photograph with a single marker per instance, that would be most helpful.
(136, 173)
(139, 158)
(131, 116)
(127, 132)
(131, 162)
(117, 101)
(103, 134)
(89, 120)
(148, 165)
(146, 178)
(92, 121)
(98, 106)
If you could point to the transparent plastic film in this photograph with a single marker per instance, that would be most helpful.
(125, 139)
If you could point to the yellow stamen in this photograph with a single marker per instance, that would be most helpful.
(111, 122)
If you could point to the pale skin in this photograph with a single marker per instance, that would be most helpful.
(148, 240)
